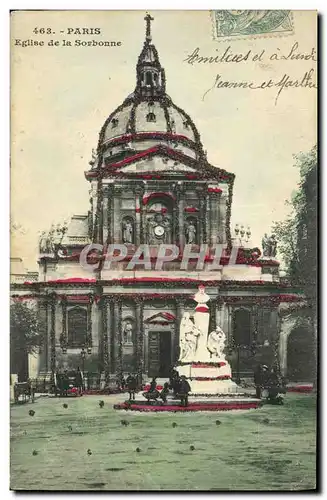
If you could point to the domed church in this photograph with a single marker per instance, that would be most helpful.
(150, 184)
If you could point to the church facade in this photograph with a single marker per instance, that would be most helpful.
(150, 184)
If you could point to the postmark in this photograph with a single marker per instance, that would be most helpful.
(233, 24)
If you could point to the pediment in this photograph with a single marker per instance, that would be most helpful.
(160, 318)
(160, 160)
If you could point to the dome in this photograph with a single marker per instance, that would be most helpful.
(149, 113)
(158, 114)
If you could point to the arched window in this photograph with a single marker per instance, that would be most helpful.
(148, 78)
(76, 326)
(150, 117)
(242, 326)
(114, 123)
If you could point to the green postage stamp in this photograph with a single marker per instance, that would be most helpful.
(249, 23)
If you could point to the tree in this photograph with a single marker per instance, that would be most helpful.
(25, 337)
(297, 236)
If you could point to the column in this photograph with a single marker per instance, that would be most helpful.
(286, 324)
(179, 215)
(103, 304)
(209, 220)
(111, 343)
(139, 236)
(43, 316)
(53, 333)
(63, 336)
(105, 215)
(222, 217)
(116, 219)
(101, 220)
(215, 237)
(139, 309)
(180, 304)
(89, 323)
(202, 193)
(213, 308)
(109, 225)
(117, 338)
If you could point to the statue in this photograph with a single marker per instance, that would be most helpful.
(58, 234)
(94, 157)
(269, 245)
(189, 334)
(216, 344)
(48, 241)
(191, 233)
(43, 242)
(273, 245)
(128, 332)
(265, 245)
(127, 231)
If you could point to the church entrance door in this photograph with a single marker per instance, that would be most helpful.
(159, 350)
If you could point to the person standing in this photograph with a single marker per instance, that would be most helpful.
(258, 381)
(184, 389)
(131, 386)
(164, 393)
(79, 380)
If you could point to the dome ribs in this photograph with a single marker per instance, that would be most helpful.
(197, 137)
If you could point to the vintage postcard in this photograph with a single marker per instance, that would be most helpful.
(163, 300)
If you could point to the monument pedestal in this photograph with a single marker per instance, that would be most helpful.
(208, 378)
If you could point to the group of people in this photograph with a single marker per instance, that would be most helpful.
(179, 385)
(65, 380)
(268, 383)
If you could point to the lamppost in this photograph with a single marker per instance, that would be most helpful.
(83, 354)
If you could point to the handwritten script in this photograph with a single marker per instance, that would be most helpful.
(285, 81)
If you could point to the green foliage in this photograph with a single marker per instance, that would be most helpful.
(25, 330)
(297, 233)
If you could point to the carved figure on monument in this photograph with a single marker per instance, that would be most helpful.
(189, 334)
(269, 245)
(191, 232)
(273, 245)
(50, 240)
(128, 231)
(43, 242)
(216, 344)
(57, 235)
(94, 157)
(128, 332)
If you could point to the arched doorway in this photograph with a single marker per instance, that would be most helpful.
(300, 355)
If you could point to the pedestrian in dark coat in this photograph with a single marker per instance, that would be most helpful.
(164, 393)
(131, 386)
(79, 380)
(184, 390)
(152, 393)
(258, 380)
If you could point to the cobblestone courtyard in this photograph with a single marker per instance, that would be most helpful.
(86, 447)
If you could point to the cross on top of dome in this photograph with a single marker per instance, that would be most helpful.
(148, 20)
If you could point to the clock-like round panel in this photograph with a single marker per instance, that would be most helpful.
(159, 231)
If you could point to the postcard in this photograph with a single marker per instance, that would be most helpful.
(163, 298)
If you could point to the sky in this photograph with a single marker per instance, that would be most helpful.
(61, 96)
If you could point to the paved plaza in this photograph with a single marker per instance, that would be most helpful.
(86, 447)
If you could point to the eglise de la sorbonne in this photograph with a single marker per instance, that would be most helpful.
(151, 184)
